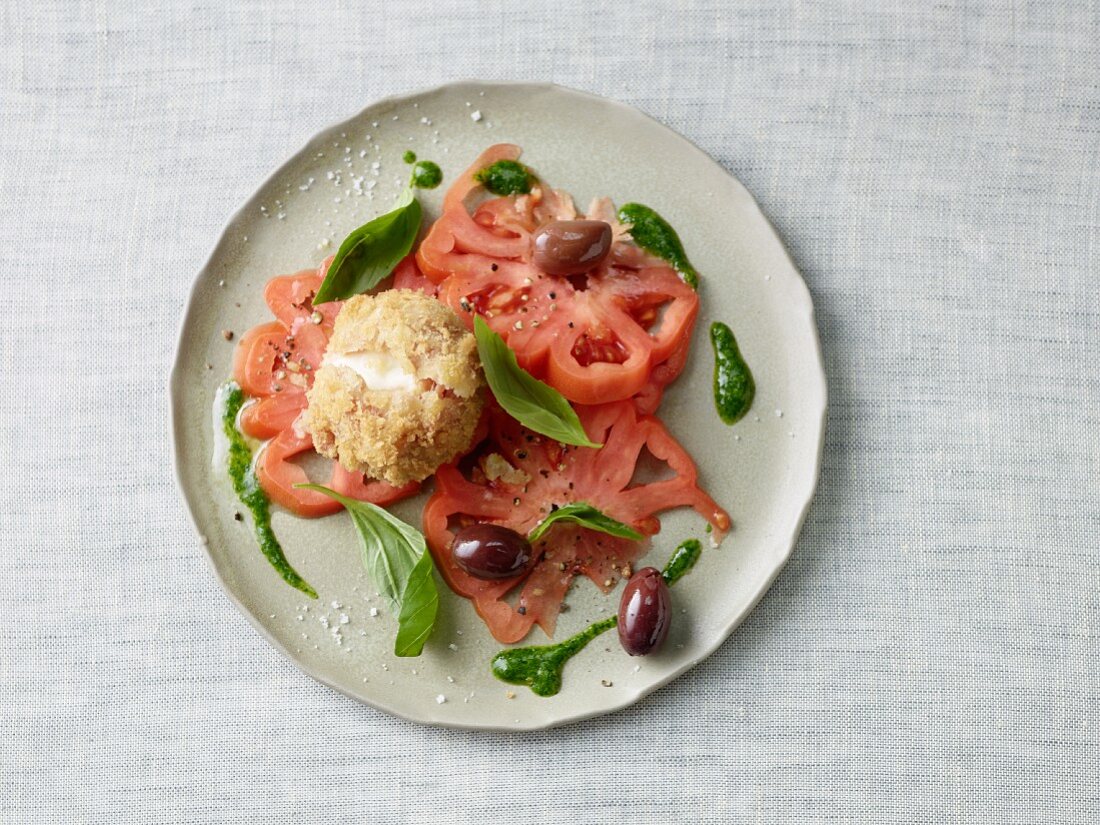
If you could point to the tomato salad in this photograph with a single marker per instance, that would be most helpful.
(586, 311)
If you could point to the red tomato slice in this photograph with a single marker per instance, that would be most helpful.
(407, 275)
(278, 474)
(595, 338)
(515, 477)
(254, 361)
(357, 485)
(269, 416)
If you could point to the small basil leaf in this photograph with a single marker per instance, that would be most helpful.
(533, 404)
(587, 516)
(371, 252)
(419, 604)
(397, 559)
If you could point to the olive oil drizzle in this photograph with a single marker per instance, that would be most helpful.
(540, 667)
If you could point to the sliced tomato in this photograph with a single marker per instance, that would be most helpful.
(516, 477)
(407, 275)
(269, 416)
(595, 338)
(278, 475)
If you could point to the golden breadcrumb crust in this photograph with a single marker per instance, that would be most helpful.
(398, 436)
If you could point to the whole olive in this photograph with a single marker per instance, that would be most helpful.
(644, 612)
(571, 247)
(489, 551)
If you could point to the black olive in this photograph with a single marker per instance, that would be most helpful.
(644, 612)
(489, 551)
(571, 247)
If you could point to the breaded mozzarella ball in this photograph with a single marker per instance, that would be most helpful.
(399, 391)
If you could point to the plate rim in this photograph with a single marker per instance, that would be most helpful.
(786, 541)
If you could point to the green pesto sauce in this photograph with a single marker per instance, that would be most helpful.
(506, 177)
(425, 175)
(654, 234)
(734, 388)
(248, 490)
(682, 560)
(409, 156)
(540, 666)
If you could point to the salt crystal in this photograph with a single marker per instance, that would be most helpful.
(475, 115)
(440, 699)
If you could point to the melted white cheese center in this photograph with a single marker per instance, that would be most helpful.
(379, 370)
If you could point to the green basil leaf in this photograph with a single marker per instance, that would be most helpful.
(419, 605)
(587, 516)
(371, 252)
(397, 559)
(533, 404)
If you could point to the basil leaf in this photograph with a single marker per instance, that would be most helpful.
(533, 404)
(399, 564)
(371, 252)
(419, 605)
(585, 515)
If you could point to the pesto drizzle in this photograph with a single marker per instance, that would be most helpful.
(540, 666)
(682, 560)
(734, 387)
(248, 490)
(654, 234)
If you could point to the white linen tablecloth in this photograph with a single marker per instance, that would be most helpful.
(930, 653)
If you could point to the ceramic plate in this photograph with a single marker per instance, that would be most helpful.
(762, 470)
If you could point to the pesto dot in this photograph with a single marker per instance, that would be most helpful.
(426, 175)
(506, 177)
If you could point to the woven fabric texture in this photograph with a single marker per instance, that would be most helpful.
(929, 654)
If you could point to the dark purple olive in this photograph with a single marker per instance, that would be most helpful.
(571, 247)
(645, 612)
(490, 551)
